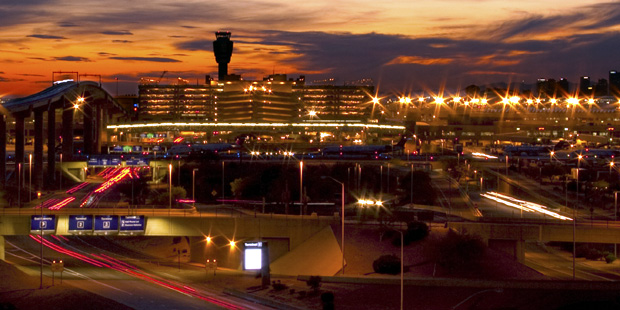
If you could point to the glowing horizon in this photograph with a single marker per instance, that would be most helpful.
(401, 45)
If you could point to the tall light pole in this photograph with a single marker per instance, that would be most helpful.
(411, 185)
(60, 177)
(301, 188)
(341, 217)
(41, 241)
(402, 258)
(170, 186)
(194, 187)
(29, 177)
(615, 218)
(19, 185)
(574, 215)
(223, 181)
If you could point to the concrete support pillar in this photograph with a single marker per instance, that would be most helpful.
(198, 250)
(19, 139)
(51, 146)
(514, 248)
(88, 127)
(100, 131)
(38, 149)
(2, 151)
(2, 256)
(67, 132)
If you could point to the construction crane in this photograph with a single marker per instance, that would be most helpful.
(161, 76)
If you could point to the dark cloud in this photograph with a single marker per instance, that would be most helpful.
(7, 80)
(400, 61)
(195, 45)
(24, 74)
(189, 27)
(117, 33)
(589, 18)
(67, 24)
(37, 58)
(72, 58)
(105, 54)
(151, 59)
(45, 36)
(121, 41)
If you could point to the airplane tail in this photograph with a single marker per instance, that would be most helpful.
(400, 143)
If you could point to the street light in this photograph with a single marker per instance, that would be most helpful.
(194, 187)
(574, 215)
(170, 187)
(29, 177)
(551, 156)
(41, 241)
(301, 188)
(615, 218)
(402, 257)
(19, 184)
(341, 216)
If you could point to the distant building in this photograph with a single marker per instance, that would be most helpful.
(614, 83)
(585, 87)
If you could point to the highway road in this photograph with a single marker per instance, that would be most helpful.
(97, 265)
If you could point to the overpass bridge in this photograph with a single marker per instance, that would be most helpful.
(297, 245)
(74, 100)
(510, 237)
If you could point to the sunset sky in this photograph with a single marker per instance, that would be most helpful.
(403, 45)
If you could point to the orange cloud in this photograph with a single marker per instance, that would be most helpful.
(400, 60)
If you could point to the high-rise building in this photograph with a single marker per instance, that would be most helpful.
(562, 87)
(585, 89)
(614, 82)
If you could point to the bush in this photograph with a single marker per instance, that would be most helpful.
(610, 258)
(314, 282)
(416, 231)
(387, 264)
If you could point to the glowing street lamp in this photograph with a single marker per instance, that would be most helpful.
(551, 156)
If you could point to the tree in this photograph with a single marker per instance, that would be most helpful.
(387, 264)
(162, 197)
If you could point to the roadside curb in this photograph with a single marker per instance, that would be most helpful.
(259, 300)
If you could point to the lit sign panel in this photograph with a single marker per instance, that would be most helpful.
(253, 253)
(132, 224)
(80, 224)
(106, 224)
(45, 224)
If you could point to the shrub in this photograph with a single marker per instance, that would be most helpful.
(610, 258)
(314, 282)
(416, 231)
(387, 264)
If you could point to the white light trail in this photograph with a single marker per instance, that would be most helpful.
(523, 205)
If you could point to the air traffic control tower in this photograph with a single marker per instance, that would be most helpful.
(222, 48)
